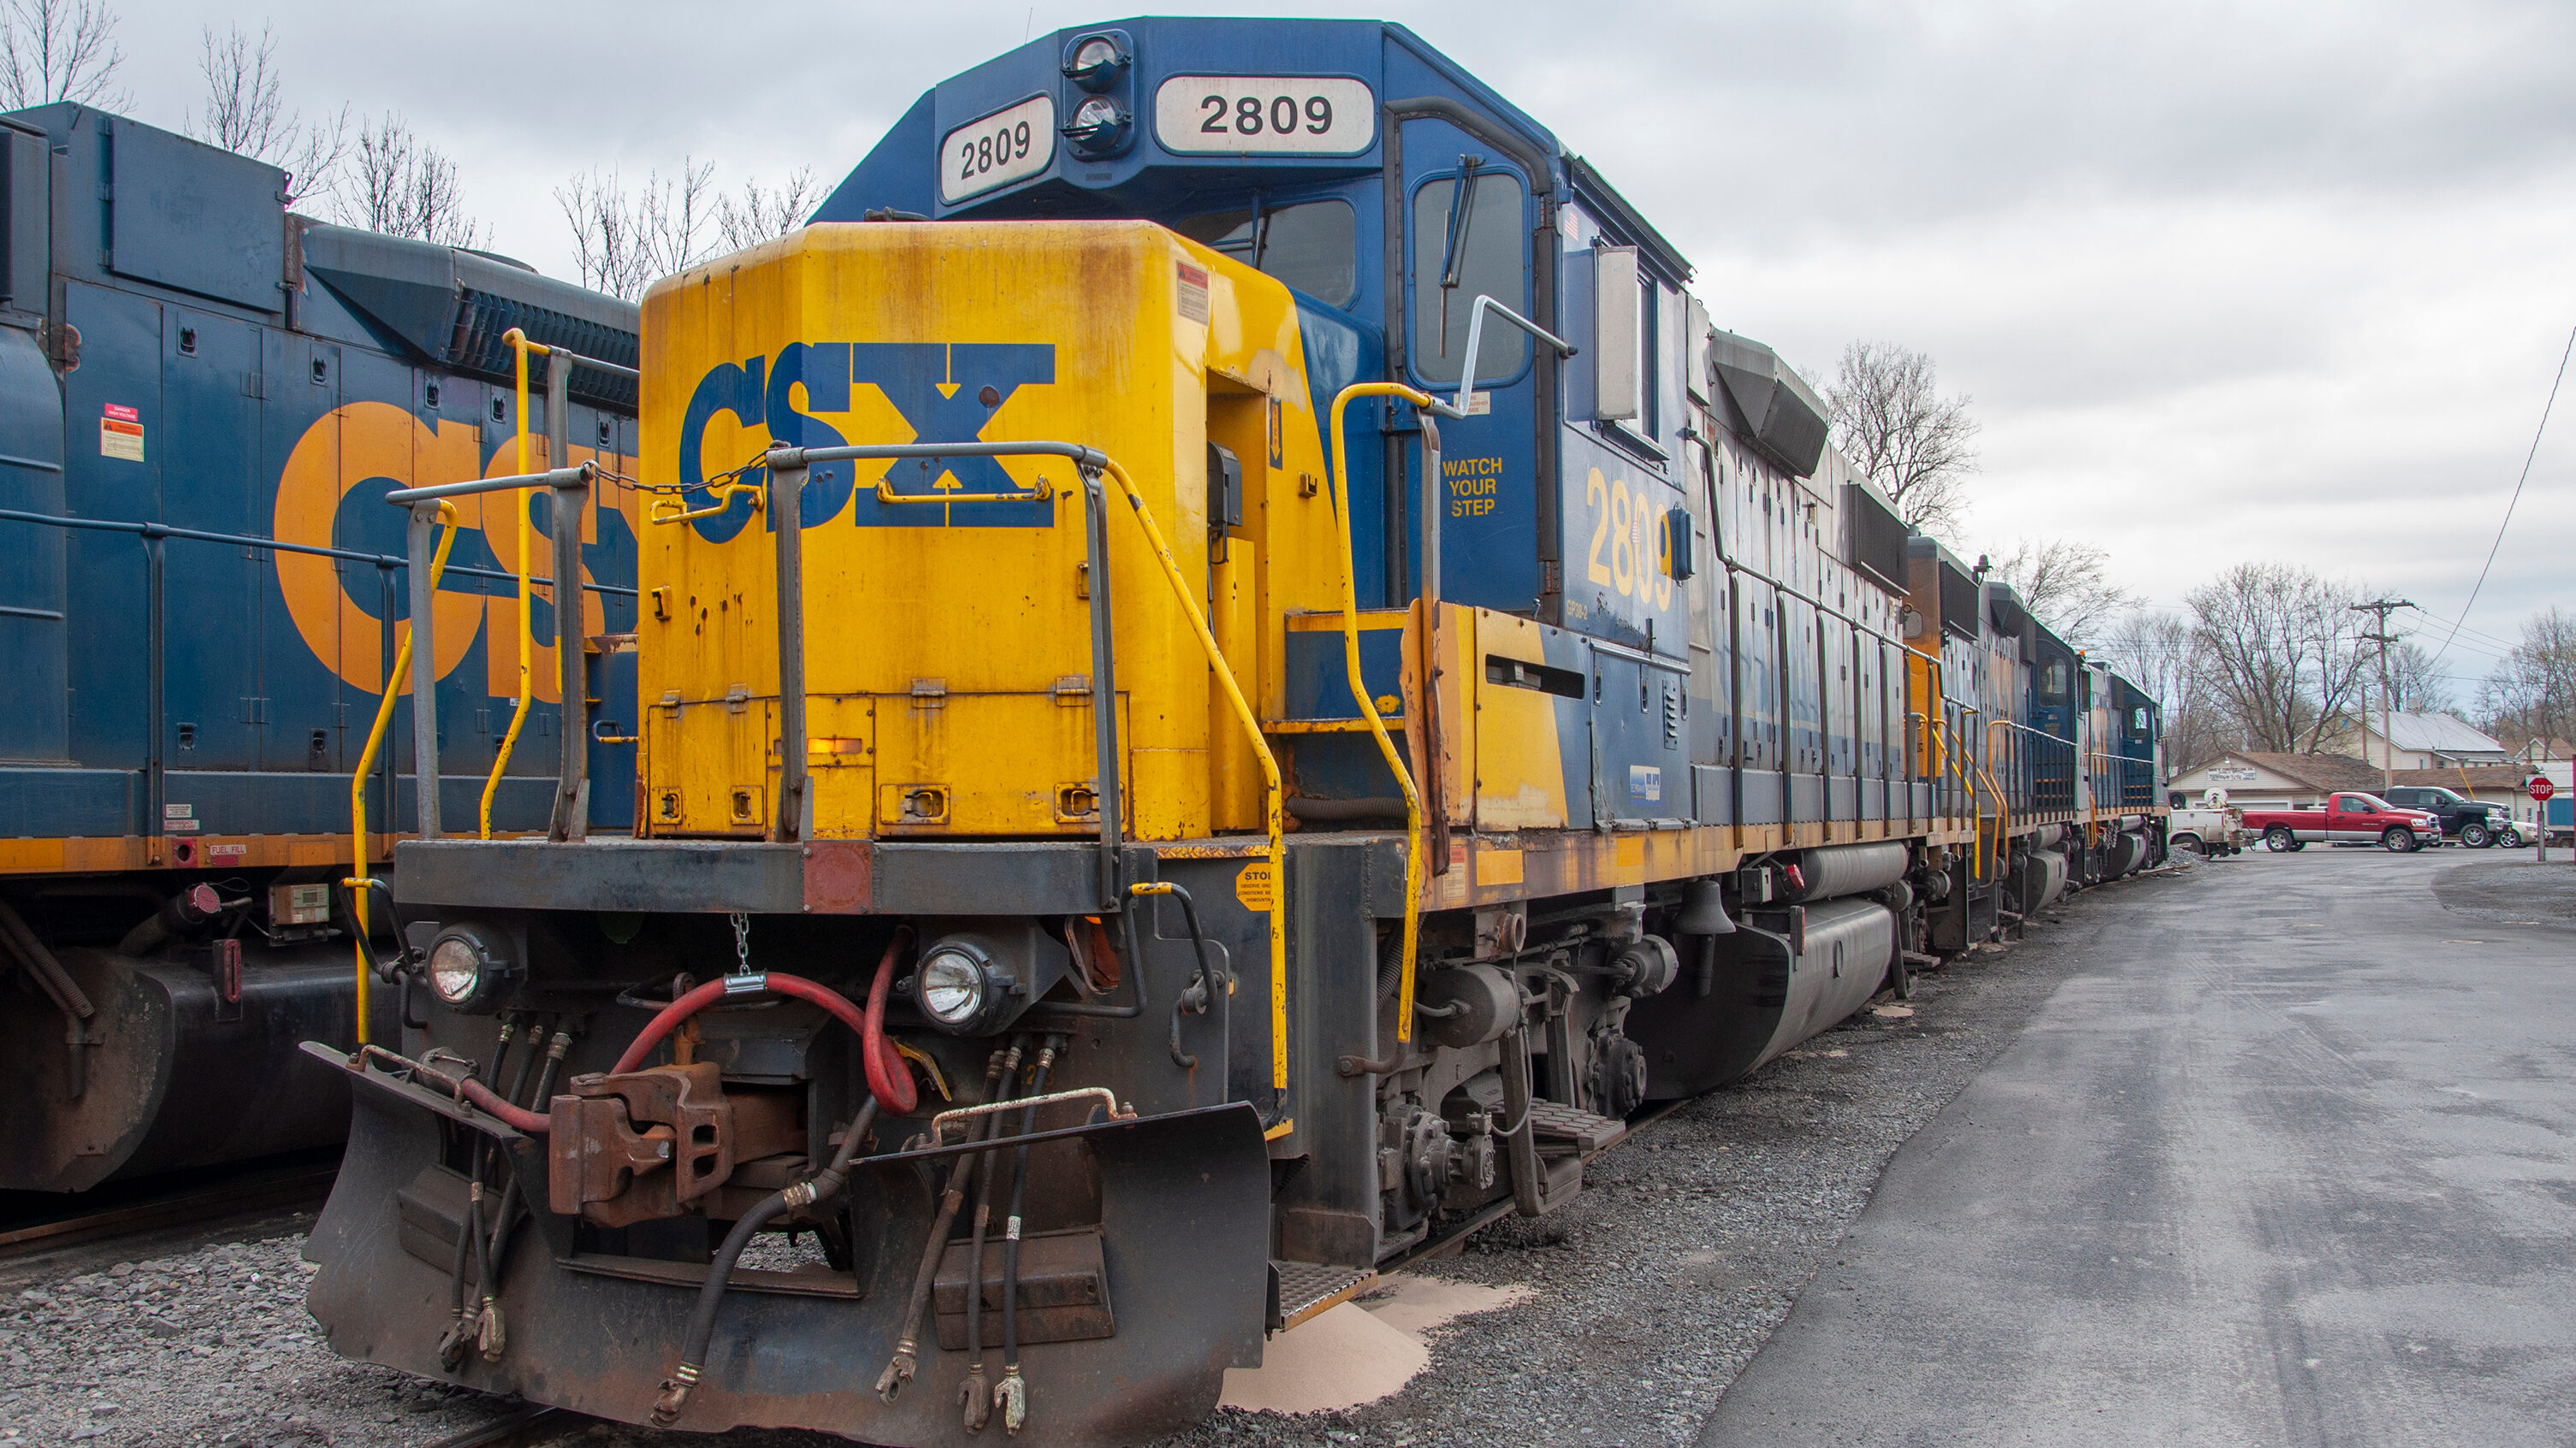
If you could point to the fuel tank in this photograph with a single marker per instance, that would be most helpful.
(182, 1069)
(1781, 977)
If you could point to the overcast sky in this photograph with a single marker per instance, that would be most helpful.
(2261, 281)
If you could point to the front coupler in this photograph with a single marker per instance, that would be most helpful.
(1129, 1311)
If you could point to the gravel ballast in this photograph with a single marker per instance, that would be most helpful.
(1653, 1288)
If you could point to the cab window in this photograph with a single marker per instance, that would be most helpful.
(1465, 244)
(1310, 245)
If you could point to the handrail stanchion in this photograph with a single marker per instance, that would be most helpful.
(424, 668)
(519, 345)
(571, 487)
(400, 663)
(1104, 686)
(786, 486)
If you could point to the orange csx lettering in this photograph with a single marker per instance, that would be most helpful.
(369, 449)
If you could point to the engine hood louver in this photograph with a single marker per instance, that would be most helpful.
(452, 307)
(1784, 419)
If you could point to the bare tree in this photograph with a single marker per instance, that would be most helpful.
(1892, 422)
(2532, 693)
(622, 241)
(2415, 685)
(2284, 653)
(766, 215)
(245, 112)
(2160, 653)
(405, 187)
(2068, 585)
(59, 50)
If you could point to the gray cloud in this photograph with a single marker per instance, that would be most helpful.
(2227, 281)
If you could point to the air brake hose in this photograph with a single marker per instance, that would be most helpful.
(495, 1341)
(822, 1186)
(972, 1394)
(1011, 1394)
(887, 1078)
(899, 1371)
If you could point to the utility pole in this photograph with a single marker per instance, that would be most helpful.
(2381, 608)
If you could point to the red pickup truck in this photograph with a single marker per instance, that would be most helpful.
(2349, 819)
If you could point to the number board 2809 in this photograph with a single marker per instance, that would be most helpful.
(1009, 145)
(1270, 115)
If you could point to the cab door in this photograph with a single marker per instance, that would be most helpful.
(1469, 218)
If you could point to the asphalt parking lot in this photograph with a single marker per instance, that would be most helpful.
(2290, 1158)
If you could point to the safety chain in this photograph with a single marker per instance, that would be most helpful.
(741, 942)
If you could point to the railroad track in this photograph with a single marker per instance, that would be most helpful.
(526, 1427)
(184, 1210)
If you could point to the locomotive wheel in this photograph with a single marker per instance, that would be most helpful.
(2399, 840)
(2476, 836)
(2279, 839)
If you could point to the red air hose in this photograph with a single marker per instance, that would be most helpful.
(531, 1122)
(886, 1074)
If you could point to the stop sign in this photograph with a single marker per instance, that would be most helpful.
(2540, 789)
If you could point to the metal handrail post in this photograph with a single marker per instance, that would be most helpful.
(786, 524)
(572, 769)
(1104, 686)
(417, 533)
(1466, 395)
(519, 345)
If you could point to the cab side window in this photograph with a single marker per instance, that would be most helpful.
(1465, 244)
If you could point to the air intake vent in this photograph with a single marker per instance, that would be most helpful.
(1877, 543)
(1783, 418)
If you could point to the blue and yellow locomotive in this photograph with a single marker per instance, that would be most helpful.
(1233, 674)
(203, 397)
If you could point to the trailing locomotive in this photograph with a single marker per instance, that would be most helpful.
(202, 398)
(1234, 674)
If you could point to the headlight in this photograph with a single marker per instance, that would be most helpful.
(471, 969)
(976, 981)
(955, 985)
(1096, 61)
(1098, 125)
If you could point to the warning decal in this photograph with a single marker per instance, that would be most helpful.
(120, 435)
(1252, 886)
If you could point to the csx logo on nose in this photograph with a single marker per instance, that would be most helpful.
(943, 392)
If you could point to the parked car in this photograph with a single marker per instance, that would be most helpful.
(2209, 829)
(2474, 823)
(2348, 818)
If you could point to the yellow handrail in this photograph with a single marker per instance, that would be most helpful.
(723, 493)
(519, 344)
(1368, 706)
(367, 763)
(1251, 723)
(1038, 492)
(2003, 807)
(2003, 813)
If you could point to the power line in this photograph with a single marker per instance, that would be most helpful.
(2516, 498)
